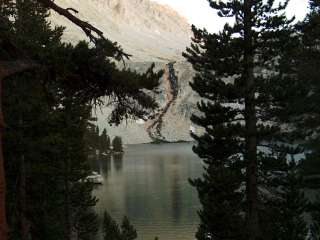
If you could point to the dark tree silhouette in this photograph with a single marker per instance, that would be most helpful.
(124, 87)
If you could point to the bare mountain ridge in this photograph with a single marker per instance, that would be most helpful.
(145, 29)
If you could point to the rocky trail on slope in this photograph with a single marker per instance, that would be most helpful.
(170, 81)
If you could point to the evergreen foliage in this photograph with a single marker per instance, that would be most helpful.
(104, 142)
(49, 134)
(289, 207)
(308, 79)
(299, 93)
(47, 112)
(238, 73)
(112, 231)
(128, 232)
(117, 144)
(96, 141)
(315, 212)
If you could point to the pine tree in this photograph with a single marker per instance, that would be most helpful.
(85, 219)
(90, 138)
(315, 213)
(26, 112)
(104, 142)
(82, 71)
(70, 148)
(308, 80)
(300, 93)
(46, 128)
(97, 138)
(237, 70)
(311, 42)
(108, 143)
(111, 229)
(117, 144)
(289, 206)
(128, 232)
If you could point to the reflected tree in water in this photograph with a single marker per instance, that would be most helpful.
(175, 190)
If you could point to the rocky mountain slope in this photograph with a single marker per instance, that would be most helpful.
(175, 124)
(145, 29)
(151, 33)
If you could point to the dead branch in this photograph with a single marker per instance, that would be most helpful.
(73, 10)
(93, 33)
(22, 63)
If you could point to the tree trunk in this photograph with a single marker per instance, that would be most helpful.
(7, 68)
(24, 225)
(252, 219)
(67, 216)
(3, 221)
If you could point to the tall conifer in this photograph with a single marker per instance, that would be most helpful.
(235, 69)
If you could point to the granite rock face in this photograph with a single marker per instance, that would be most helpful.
(176, 124)
(145, 29)
(151, 33)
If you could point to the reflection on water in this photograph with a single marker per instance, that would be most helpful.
(149, 184)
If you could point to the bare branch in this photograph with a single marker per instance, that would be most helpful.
(93, 33)
(72, 10)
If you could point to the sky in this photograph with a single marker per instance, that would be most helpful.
(200, 14)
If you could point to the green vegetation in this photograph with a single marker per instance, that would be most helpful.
(47, 112)
(117, 144)
(105, 143)
(112, 231)
(259, 83)
(46, 126)
(253, 77)
(101, 143)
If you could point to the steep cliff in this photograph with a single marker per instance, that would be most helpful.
(151, 33)
(172, 121)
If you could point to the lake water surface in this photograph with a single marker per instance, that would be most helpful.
(149, 184)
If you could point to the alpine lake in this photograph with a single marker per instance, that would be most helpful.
(149, 184)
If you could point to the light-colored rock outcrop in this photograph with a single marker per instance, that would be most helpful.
(151, 33)
(176, 122)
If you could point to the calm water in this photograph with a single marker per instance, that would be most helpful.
(150, 185)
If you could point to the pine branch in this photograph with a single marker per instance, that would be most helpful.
(22, 63)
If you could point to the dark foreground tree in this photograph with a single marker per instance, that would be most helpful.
(44, 142)
(300, 93)
(288, 206)
(88, 73)
(315, 228)
(236, 73)
(307, 75)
